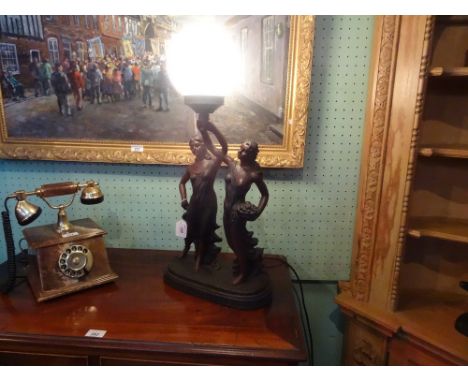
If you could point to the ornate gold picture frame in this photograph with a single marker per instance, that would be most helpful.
(288, 153)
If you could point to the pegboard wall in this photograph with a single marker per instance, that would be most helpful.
(310, 216)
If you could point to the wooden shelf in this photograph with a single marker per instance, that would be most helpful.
(440, 228)
(452, 20)
(448, 151)
(431, 315)
(439, 71)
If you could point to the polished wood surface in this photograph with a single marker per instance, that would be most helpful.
(149, 321)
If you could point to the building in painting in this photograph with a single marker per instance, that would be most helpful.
(133, 41)
(158, 29)
(60, 38)
(56, 38)
(68, 37)
(21, 40)
(112, 31)
(263, 47)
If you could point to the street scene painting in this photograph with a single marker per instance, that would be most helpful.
(105, 78)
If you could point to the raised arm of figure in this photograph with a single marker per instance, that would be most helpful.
(204, 127)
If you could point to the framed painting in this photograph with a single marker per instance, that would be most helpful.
(72, 89)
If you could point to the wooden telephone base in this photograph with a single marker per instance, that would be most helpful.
(45, 276)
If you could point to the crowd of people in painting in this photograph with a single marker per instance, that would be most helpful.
(95, 81)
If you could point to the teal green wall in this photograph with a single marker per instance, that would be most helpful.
(311, 211)
(326, 322)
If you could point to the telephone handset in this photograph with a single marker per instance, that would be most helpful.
(69, 256)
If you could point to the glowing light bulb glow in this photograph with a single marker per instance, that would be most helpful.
(203, 60)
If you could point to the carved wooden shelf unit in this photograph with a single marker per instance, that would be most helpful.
(411, 236)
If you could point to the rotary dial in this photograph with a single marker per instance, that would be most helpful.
(75, 261)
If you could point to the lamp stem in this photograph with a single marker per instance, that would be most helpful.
(203, 117)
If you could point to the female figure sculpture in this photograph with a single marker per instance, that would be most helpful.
(239, 178)
(201, 211)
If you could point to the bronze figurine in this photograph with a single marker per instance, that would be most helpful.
(201, 211)
(237, 211)
(213, 279)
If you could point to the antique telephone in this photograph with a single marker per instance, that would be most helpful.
(70, 256)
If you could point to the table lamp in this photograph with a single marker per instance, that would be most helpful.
(204, 73)
(202, 63)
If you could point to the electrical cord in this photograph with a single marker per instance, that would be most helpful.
(11, 261)
(308, 332)
(305, 330)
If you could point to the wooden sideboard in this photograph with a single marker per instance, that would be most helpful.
(149, 323)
